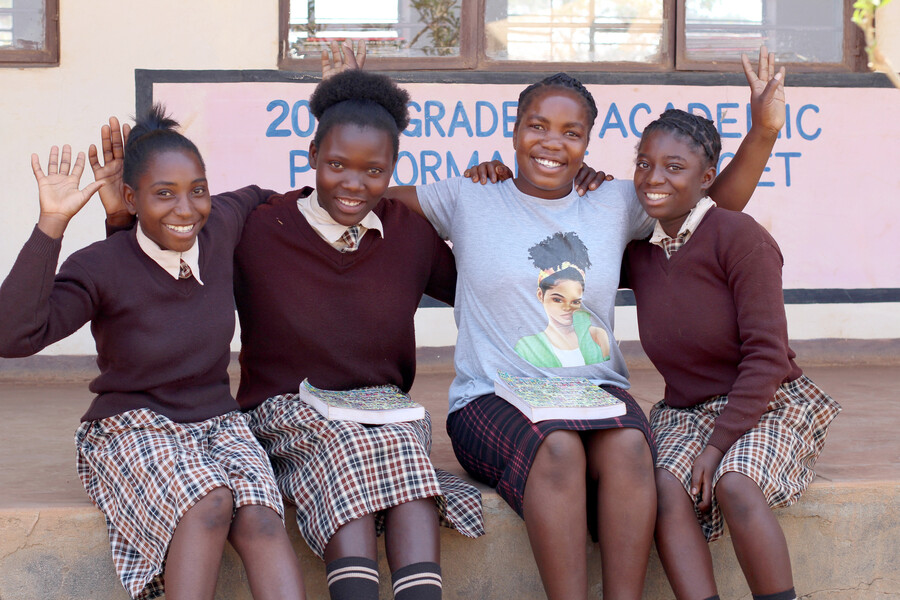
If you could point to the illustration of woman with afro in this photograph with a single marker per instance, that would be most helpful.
(569, 339)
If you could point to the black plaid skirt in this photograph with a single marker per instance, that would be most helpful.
(338, 471)
(145, 471)
(496, 443)
(778, 453)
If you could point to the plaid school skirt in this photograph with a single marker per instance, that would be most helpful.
(145, 471)
(778, 453)
(338, 471)
(496, 443)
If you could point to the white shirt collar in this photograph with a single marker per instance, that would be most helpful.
(170, 260)
(690, 223)
(330, 230)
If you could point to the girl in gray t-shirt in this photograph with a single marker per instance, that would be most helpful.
(561, 475)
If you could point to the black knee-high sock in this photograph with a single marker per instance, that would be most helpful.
(716, 597)
(352, 578)
(418, 581)
(785, 595)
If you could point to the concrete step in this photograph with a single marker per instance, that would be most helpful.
(844, 534)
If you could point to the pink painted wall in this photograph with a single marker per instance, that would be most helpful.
(829, 197)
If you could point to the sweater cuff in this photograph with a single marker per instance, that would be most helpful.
(42, 244)
(721, 439)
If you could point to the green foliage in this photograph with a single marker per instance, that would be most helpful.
(864, 10)
(441, 20)
(864, 16)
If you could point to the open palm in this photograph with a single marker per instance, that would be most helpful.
(58, 190)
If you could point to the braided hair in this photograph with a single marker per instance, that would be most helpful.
(563, 253)
(561, 81)
(700, 132)
(360, 98)
(155, 132)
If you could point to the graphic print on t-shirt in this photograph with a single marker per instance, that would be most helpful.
(570, 339)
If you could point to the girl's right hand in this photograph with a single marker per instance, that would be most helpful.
(342, 58)
(58, 190)
(112, 139)
(589, 179)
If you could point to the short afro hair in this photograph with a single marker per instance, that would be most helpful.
(360, 98)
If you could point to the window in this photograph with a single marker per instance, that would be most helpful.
(577, 35)
(28, 32)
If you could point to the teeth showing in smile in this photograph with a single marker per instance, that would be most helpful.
(552, 164)
(349, 202)
(657, 196)
(181, 228)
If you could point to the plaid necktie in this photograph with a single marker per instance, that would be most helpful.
(671, 245)
(350, 238)
(185, 271)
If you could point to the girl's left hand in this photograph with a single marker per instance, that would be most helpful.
(702, 475)
(492, 170)
(767, 105)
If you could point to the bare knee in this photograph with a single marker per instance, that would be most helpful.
(669, 490)
(624, 452)
(560, 458)
(253, 521)
(740, 497)
(214, 511)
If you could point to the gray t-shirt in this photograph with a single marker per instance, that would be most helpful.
(498, 312)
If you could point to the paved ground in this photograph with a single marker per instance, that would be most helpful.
(37, 421)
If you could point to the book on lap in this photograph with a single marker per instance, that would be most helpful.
(372, 405)
(543, 398)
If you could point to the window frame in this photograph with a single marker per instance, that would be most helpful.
(853, 51)
(49, 56)
(672, 60)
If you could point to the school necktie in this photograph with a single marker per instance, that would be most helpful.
(185, 271)
(671, 245)
(350, 238)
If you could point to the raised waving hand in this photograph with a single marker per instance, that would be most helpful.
(767, 104)
(112, 140)
(342, 58)
(58, 191)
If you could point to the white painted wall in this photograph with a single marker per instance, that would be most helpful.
(104, 41)
(888, 29)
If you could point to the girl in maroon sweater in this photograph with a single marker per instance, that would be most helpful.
(163, 451)
(740, 426)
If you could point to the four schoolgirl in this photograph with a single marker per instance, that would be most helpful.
(740, 426)
(307, 272)
(163, 450)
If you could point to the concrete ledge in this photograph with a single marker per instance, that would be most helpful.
(844, 541)
(67, 368)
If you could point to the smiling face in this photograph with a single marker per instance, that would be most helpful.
(550, 139)
(171, 199)
(670, 176)
(353, 169)
(561, 301)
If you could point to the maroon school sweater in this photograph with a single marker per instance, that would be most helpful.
(162, 343)
(343, 320)
(711, 318)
